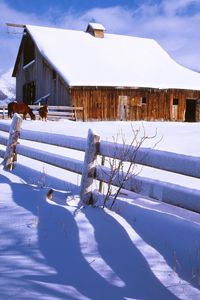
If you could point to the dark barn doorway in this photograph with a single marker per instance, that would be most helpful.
(29, 90)
(190, 113)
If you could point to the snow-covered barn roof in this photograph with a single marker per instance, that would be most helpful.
(113, 61)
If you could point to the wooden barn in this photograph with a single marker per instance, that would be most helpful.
(114, 77)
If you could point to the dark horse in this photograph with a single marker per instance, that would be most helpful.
(20, 108)
(43, 111)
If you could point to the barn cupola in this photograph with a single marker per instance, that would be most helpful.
(95, 29)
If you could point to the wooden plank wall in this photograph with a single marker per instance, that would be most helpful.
(103, 103)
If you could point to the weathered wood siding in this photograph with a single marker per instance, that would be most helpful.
(23, 76)
(47, 81)
(134, 104)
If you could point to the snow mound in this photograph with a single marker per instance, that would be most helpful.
(7, 86)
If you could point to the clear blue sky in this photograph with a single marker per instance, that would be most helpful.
(173, 23)
(78, 5)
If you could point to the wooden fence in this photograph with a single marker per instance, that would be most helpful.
(91, 171)
(55, 112)
(3, 111)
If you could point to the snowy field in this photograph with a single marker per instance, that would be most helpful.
(55, 249)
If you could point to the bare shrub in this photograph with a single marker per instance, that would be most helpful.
(120, 170)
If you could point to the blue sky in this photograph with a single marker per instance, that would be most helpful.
(78, 5)
(174, 24)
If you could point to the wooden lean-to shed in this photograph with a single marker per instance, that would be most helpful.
(114, 77)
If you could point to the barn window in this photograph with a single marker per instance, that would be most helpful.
(53, 74)
(29, 92)
(143, 100)
(29, 50)
(175, 101)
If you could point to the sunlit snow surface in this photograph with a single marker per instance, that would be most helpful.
(57, 249)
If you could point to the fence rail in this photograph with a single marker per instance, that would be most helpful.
(55, 112)
(91, 171)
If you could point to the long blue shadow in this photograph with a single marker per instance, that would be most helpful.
(130, 266)
(170, 226)
(58, 241)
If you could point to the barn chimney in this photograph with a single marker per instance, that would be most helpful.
(95, 29)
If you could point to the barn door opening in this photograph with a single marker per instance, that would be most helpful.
(123, 107)
(190, 113)
(29, 90)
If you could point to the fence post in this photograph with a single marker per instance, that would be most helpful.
(101, 182)
(14, 132)
(4, 113)
(88, 172)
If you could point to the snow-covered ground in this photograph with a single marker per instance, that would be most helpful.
(54, 249)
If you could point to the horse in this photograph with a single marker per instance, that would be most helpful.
(20, 108)
(43, 112)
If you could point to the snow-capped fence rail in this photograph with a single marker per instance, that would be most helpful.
(54, 112)
(3, 111)
(91, 171)
(40, 155)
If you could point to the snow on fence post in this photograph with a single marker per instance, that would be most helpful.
(14, 132)
(88, 172)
